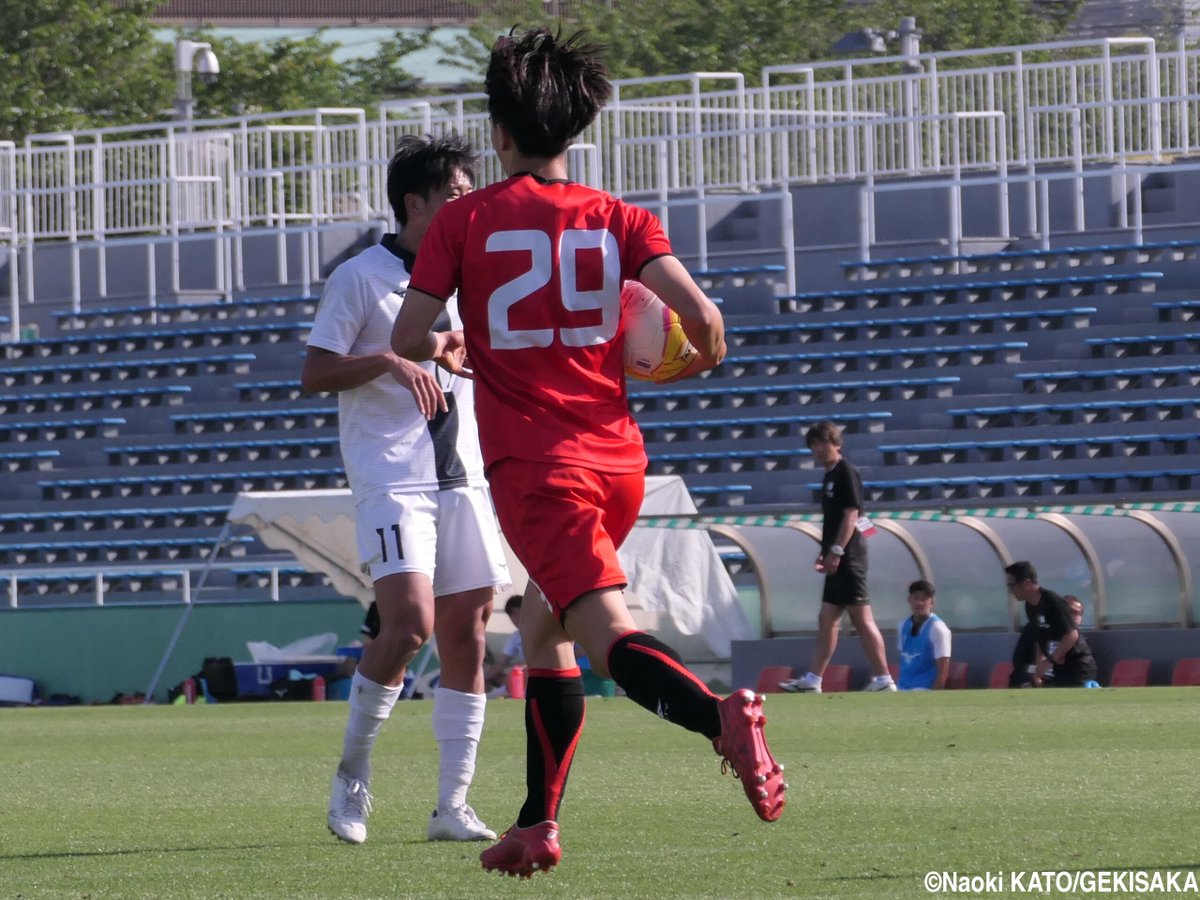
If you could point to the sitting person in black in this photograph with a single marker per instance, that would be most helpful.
(1052, 631)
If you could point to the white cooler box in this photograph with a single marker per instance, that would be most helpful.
(14, 689)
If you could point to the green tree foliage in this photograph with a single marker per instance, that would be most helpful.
(68, 64)
(655, 37)
(71, 64)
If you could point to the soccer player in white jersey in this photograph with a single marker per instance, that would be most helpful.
(424, 516)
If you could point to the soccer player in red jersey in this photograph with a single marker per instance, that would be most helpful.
(538, 264)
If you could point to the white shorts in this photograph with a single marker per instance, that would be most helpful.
(449, 536)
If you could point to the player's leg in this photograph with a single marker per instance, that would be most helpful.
(649, 671)
(470, 566)
(554, 716)
(392, 538)
(829, 622)
(405, 604)
(459, 704)
(873, 646)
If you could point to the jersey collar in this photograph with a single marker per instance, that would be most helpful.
(391, 243)
(540, 180)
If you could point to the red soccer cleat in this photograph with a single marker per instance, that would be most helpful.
(523, 851)
(743, 747)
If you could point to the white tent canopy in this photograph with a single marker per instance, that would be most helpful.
(678, 584)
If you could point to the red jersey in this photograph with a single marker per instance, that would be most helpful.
(538, 266)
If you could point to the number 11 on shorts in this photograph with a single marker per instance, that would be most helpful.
(383, 543)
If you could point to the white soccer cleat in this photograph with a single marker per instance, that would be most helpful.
(880, 683)
(458, 824)
(349, 806)
(805, 684)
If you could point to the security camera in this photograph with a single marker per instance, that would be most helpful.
(207, 66)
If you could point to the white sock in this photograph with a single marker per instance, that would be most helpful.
(883, 679)
(812, 677)
(370, 706)
(457, 727)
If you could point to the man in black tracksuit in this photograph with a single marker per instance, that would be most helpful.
(1051, 630)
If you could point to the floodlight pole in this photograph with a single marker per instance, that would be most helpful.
(185, 60)
(910, 45)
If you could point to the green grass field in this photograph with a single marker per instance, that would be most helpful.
(229, 801)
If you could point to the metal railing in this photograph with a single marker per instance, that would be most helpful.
(1039, 214)
(1115, 100)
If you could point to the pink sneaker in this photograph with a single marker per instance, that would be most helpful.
(743, 746)
(523, 851)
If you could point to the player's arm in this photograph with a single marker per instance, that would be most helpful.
(845, 531)
(1065, 643)
(699, 316)
(941, 641)
(413, 339)
(325, 370)
(943, 672)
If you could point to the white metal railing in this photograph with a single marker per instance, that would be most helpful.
(119, 180)
(1038, 207)
(1113, 100)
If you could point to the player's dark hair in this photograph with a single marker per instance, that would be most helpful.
(422, 165)
(1022, 571)
(545, 90)
(826, 432)
(922, 587)
(512, 603)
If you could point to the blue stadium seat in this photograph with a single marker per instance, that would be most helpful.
(36, 430)
(159, 314)
(83, 401)
(905, 295)
(121, 370)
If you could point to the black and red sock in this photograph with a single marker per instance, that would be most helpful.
(654, 676)
(554, 713)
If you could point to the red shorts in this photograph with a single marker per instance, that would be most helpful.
(565, 524)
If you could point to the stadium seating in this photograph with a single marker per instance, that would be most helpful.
(165, 314)
(1001, 673)
(1130, 673)
(1186, 673)
(1083, 446)
(901, 294)
(1122, 346)
(770, 677)
(123, 370)
(957, 678)
(1022, 260)
(1119, 378)
(26, 460)
(804, 329)
(1178, 310)
(836, 679)
(773, 362)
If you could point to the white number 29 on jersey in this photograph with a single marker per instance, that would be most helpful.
(541, 269)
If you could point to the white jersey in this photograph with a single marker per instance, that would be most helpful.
(387, 445)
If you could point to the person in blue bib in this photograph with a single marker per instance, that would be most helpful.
(924, 643)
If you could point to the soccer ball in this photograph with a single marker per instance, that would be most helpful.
(655, 346)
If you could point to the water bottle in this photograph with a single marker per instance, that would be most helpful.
(189, 690)
(318, 688)
(516, 682)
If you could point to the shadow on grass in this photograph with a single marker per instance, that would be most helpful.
(88, 854)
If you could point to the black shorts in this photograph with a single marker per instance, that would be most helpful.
(847, 586)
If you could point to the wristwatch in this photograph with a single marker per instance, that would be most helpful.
(837, 550)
